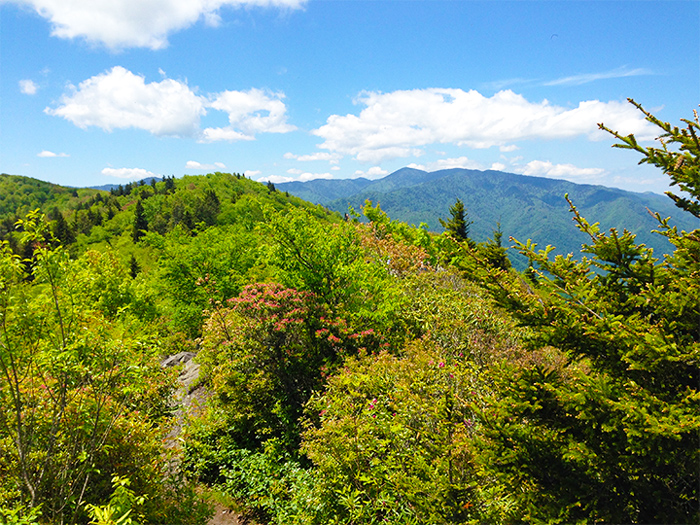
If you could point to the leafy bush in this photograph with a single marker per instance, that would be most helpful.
(390, 439)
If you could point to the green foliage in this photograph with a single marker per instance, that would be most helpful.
(315, 258)
(225, 256)
(19, 516)
(392, 441)
(120, 509)
(80, 380)
(611, 436)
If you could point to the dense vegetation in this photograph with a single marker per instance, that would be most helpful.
(356, 371)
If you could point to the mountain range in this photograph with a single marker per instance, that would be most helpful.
(526, 207)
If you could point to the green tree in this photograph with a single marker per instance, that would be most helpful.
(493, 251)
(209, 208)
(613, 435)
(140, 225)
(61, 230)
(78, 380)
(458, 225)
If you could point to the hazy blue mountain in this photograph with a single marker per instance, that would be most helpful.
(526, 207)
(324, 191)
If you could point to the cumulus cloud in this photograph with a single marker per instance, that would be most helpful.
(128, 173)
(51, 154)
(28, 87)
(194, 165)
(374, 172)
(135, 23)
(249, 112)
(251, 173)
(227, 134)
(540, 168)
(446, 164)
(400, 123)
(275, 179)
(300, 177)
(120, 99)
(333, 158)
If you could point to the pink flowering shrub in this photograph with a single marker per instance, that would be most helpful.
(265, 353)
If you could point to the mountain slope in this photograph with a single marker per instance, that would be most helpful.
(324, 191)
(526, 207)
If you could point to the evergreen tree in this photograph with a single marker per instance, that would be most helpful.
(271, 187)
(134, 267)
(140, 222)
(458, 225)
(210, 208)
(610, 432)
(494, 252)
(60, 228)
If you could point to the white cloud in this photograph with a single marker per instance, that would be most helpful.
(312, 176)
(251, 173)
(498, 166)
(446, 164)
(333, 158)
(228, 134)
(252, 111)
(547, 169)
(119, 99)
(128, 173)
(51, 154)
(28, 87)
(374, 172)
(585, 78)
(300, 177)
(135, 23)
(459, 162)
(275, 179)
(399, 123)
(194, 165)
(508, 148)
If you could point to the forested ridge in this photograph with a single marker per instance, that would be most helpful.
(355, 371)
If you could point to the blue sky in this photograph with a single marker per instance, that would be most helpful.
(105, 92)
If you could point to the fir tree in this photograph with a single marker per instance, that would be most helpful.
(134, 267)
(610, 434)
(458, 225)
(140, 222)
(210, 208)
(61, 230)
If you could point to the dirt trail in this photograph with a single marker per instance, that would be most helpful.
(189, 399)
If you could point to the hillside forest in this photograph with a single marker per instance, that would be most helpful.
(352, 369)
